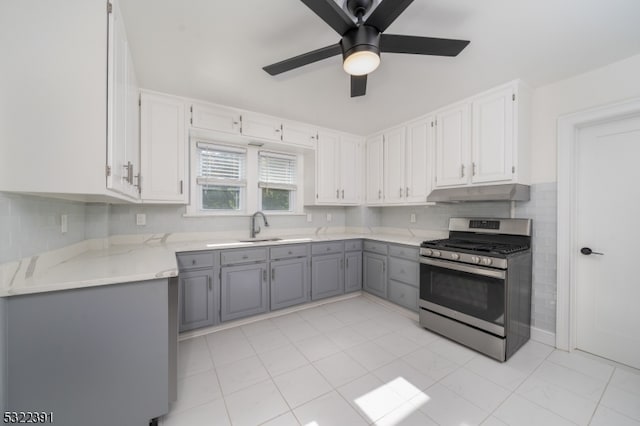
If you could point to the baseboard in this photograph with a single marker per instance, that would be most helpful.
(543, 336)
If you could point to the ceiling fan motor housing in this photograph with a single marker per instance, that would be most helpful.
(358, 39)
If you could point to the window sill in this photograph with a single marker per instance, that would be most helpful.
(225, 214)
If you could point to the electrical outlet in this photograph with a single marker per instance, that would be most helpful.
(64, 224)
(413, 218)
(328, 217)
(141, 219)
(309, 217)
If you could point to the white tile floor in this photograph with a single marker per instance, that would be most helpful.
(358, 362)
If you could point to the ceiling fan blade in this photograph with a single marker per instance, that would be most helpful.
(421, 45)
(304, 59)
(386, 12)
(358, 85)
(332, 14)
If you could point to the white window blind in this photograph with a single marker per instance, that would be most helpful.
(277, 171)
(221, 165)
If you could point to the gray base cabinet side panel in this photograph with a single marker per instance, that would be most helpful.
(353, 271)
(3, 355)
(327, 276)
(375, 274)
(96, 356)
(289, 282)
(244, 291)
(198, 303)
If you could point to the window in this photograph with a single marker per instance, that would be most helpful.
(276, 181)
(221, 177)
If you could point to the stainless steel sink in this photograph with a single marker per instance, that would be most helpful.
(259, 240)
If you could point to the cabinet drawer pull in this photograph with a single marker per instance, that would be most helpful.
(193, 262)
(264, 275)
(245, 257)
(273, 274)
(209, 280)
(290, 252)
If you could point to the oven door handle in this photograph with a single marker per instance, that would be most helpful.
(477, 270)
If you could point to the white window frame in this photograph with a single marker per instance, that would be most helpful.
(252, 201)
(291, 187)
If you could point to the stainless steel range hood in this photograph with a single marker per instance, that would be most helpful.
(504, 192)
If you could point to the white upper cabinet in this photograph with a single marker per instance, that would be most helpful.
(332, 172)
(163, 149)
(453, 139)
(299, 134)
(492, 137)
(485, 140)
(374, 170)
(419, 160)
(123, 138)
(217, 118)
(261, 126)
(61, 74)
(394, 166)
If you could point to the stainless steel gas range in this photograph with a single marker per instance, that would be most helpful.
(475, 286)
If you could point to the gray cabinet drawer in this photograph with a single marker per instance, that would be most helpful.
(286, 252)
(352, 245)
(195, 260)
(403, 294)
(404, 270)
(230, 257)
(327, 248)
(375, 247)
(406, 252)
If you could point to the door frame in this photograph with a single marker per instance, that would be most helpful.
(568, 129)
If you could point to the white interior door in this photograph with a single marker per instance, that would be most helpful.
(606, 220)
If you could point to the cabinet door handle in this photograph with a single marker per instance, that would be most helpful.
(337, 193)
(379, 193)
(473, 168)
(461, 170)
(406, 192)
(347, 263)
(209, 279)
(273, 274)
(343, 194)
(400, 192)
(341, 263)
(264, 275)
(181, 186)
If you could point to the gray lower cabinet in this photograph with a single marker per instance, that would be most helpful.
(198, 299)
(404, 276)
(403, 294)
(244, 291)
(375, 273)
(327, 278)
(353, 271)
(289, 282)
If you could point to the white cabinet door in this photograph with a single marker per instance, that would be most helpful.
(452, 146)
(117, 178)
(393, 166)
(492, 146)
(327, 169)
(374, 169)
(212, 117)
(133, 128)
(262, 126)
(419, 160)
(163, 146)
(298, 134)
(349, 161)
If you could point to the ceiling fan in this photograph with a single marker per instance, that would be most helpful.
(363, 40)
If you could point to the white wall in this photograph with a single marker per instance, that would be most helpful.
(612, 83)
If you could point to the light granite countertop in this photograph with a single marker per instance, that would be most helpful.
(123, 259)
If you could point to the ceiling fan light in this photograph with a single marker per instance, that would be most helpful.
(361, 62)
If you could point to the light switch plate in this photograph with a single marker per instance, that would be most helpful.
(328, 217)
(413, 218)
(64, 224)
(141, 219)
(309, 217)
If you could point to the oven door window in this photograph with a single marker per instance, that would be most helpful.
(476, 295)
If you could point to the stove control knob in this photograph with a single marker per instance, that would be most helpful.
(486, 261)
(455, 256)
(428, 252)
(475, 259)
(436, 253)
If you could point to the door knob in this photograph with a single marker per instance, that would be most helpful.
(587, 251)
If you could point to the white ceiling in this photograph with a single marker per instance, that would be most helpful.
(215, 50)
